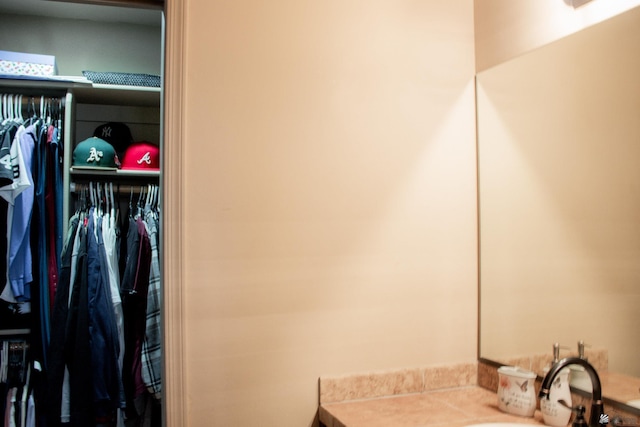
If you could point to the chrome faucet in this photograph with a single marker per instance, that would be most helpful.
(597, 408)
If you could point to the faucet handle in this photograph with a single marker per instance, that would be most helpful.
(579, 420)
(556, 351)
(581, 346)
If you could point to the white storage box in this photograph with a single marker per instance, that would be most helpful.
(27, 64)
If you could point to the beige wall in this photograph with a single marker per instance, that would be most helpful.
(505, 29)
(329, 199)
(130, 48)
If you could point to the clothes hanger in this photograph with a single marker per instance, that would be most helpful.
(31, 113)
(91, 196)
(78, 198)
(17, 108)
(59, 120)
(152, 197)
(117, 218)
(107, 204)
(131, 201)
(156, 197)
(42, 107)
(99, 198)
(9, 107)
(140, 200)
(4, 108)
(20, 109)
(111, 198)
(149, 200)
(85, 197)
(48, 111)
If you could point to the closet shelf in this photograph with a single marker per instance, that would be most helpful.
(10, 332)
(89, 93)
(117, 95)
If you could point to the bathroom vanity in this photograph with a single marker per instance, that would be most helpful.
(456, 395)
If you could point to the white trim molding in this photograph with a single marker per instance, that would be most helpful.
(174, 376)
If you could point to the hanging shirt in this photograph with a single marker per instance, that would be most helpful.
(20, 181)
(134, 307)
(78, 344)
(8, 132)
(152, 344)
(41, 274)
(51, 214)
(107, 384)
(56, 368)
(110, 239)
(20, 262)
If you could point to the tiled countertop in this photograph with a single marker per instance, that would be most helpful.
(623, 387)
(454, 407)
(455, 395)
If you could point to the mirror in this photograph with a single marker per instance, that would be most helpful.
(559, 197)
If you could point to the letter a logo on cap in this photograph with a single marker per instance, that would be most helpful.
(94, 155)
(145, 159)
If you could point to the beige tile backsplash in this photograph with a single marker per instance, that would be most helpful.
(537, 363)
(396, 382)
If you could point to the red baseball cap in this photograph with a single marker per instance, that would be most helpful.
(142, 155)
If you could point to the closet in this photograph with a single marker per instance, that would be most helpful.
(41, 355)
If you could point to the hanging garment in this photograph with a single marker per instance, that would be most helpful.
(56, 365)
(41, 270)
(8, 132)
(134, 306)
(151, 345)
(53, 202)
(15, 290)
(105, 348)
(20, 261)
(10, 411)
(19, 181)
(77, 344)
(110, 239)
(65, 407)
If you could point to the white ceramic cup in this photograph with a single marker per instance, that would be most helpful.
(516, 391)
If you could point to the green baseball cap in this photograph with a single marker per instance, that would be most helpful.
(95, 153)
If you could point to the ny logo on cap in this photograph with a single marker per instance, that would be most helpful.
(145, 159)
(94, 155)
(106, 131)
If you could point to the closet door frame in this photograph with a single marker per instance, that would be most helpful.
(174, 387)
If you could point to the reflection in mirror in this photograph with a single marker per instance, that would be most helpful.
(559, 197)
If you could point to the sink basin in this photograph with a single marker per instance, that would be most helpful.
(634, 403)
(504, 424)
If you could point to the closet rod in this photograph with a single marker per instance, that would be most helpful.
(18, 345)
(28, 98)
(31, 104)
(125, 189)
